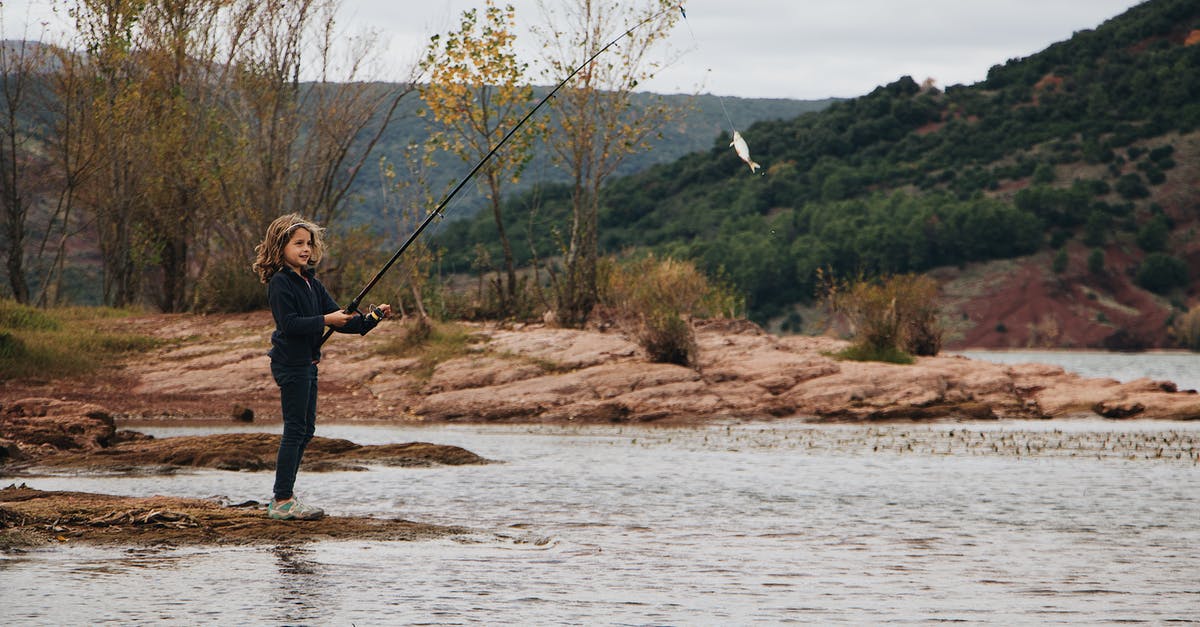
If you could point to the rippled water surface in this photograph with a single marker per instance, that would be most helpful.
(728, 524)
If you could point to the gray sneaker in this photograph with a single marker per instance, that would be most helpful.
(293, 510)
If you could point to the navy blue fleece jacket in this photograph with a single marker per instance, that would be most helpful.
(299, 307)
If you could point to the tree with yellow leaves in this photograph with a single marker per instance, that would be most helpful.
(477, 91)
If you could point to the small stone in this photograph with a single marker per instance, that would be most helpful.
(9, 451)
(1118, 409)
(243, 414)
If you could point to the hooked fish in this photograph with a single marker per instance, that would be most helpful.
(743, 151)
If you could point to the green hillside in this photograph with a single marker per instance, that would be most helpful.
(1082, 142)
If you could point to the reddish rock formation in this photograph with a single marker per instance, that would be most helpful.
(32, 425)
(745, 373)
(538, 374)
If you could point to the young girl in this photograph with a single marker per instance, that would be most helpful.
(302, 309)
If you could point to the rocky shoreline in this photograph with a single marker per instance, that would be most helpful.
(46, 436)
(214, 367)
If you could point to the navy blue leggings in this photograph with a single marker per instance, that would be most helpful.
(298, 399)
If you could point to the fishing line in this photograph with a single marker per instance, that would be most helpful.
(696, 43)
(438, 211)
(739, 143)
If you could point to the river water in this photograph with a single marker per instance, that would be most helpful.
(726, 524)
(1182, 368)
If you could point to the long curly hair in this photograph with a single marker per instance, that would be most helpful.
(269, 254)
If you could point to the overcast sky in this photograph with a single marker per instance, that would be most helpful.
(806, 49)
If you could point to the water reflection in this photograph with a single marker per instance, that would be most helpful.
(301, 590)
(293, 560)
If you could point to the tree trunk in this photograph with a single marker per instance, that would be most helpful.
(580, 290)
(14, 227)
(507, 291)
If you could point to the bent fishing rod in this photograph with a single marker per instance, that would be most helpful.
(352, 307)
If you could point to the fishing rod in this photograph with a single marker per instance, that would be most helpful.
(353, 306)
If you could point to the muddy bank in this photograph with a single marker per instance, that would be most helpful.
(30, 517)
(41, 434)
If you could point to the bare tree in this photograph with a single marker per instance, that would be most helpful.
(73, 158)
(202, 128)
(595, 125)
(298, 145)
(19, 62)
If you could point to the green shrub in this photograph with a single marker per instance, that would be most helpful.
(668, 339)
(918, 303)
(1153, 174)
(1059, 265)
(1161, 273)
(1095, 232)
(1043, 174)
(891, 355)
(230, 286)
(1091, 187)
(1162, 153)
(1130, 186)
(1152, 237)
(1096, 261)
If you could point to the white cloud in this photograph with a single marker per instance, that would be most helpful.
(764, 48)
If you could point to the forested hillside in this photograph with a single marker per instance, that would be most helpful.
(1081, 158)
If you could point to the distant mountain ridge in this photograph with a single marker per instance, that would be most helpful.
(702, 117)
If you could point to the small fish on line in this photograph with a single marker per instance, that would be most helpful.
(743, 151)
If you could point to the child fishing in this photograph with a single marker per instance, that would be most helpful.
(285, 261)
